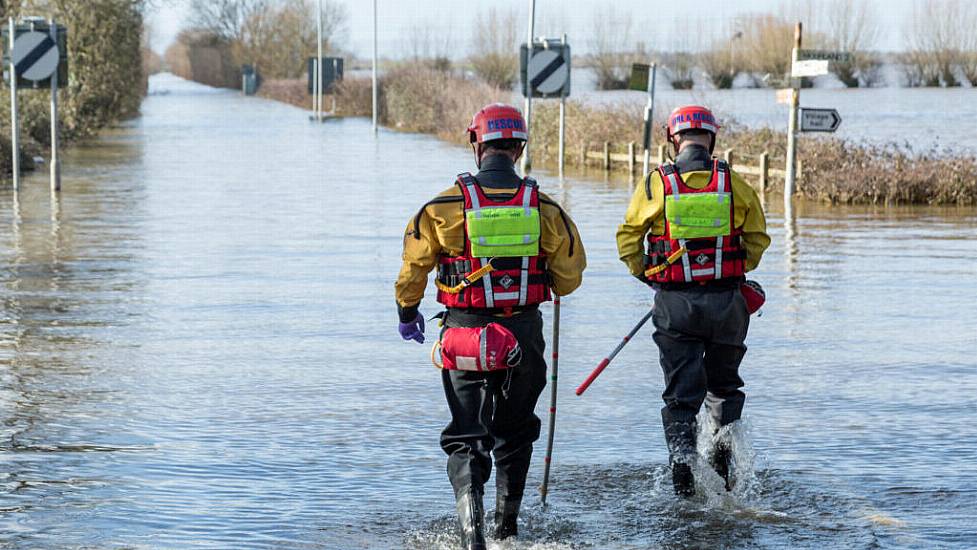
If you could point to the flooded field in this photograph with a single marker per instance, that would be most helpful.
(198, 349)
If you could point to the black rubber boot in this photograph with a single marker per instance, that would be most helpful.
(471, 520)
(721, 458)
(506, 514)
(683, 481)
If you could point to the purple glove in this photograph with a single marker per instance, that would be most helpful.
(413, 330)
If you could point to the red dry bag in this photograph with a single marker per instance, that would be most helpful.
(754, 295)
(478, 349)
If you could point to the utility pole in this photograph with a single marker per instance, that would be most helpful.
(795, 101)
(375, 91)
(527, 164)
(318, 60)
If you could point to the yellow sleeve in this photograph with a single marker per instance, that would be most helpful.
(748, 216)
(560, 241)
(643, 214)
(421, 250)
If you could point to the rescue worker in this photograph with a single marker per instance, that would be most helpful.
(705, 229)
(491, 412)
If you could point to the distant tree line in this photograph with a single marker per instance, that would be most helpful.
(276, 36)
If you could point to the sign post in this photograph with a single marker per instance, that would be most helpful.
(789, 180)
(563, 119)
(527, 164)
(640, 81)
(55, 159)
(14, 118)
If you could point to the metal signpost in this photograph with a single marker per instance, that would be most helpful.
(527, 164)
(640, 81)
(545, 73)
(36, 57)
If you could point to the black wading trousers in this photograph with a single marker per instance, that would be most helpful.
(700, 333)
(483, 421)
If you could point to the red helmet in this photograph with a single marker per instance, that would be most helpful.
(497, 121)
(691, 117)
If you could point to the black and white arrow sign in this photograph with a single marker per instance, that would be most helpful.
(35, 56)
(820, 120)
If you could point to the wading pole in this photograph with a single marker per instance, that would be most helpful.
(607, 360)
(553, 377)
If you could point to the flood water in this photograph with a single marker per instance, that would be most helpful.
(198, 349)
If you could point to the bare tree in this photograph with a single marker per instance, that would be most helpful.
(852, 26)
(610, 40)
(935, 36)
(767, 43)
(225, 18)
(722, 60)
(494, 49)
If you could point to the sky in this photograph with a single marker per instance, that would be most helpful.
(661, 24)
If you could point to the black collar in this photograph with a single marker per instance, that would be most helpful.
(498, 172)
(694, 158)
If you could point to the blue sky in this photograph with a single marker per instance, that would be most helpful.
(658, 23)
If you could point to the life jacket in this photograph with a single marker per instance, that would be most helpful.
(700, 243)
(501, 266)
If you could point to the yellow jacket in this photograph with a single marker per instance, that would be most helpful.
(646, 215)
(439, 228)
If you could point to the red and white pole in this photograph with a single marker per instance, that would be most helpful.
(607, 360)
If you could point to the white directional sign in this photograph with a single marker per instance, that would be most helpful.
(545, 69)
(809, 67)
(820, 120)
(35, 56)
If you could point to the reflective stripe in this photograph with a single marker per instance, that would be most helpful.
(524, 281)
(721, 189)
(493, 135)
(482, 349)
(506, 296)
(520, 135)
(526, 196)
(477, 209)
(701, 272)
(487, 287)
(686, 266)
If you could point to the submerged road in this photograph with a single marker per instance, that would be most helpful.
(198, 349)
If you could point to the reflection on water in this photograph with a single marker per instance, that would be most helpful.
(197, 349)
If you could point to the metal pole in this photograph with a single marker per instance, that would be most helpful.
(795, 101)
(319, 55)
(375, 91)
(607, 360)
(649, 113)
(527, 164)
(563, 120)
(544, 488)
(14, 119)
(55, 159)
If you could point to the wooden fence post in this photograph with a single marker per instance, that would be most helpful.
(728, 157)
(583, 155)
(661, 154)
(607, 156)
(631, 158)
(764, 170)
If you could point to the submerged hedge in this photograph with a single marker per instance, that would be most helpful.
(106, 78)
(415, 99)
